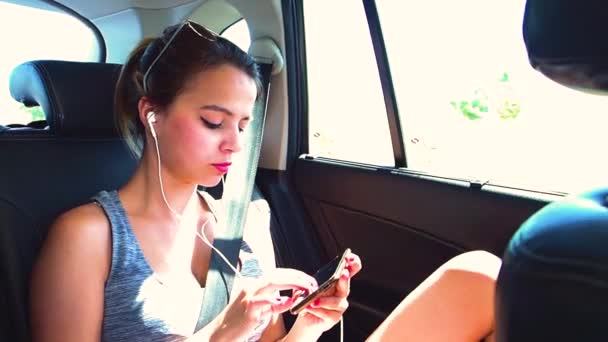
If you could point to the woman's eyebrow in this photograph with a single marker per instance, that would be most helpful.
(221, 109)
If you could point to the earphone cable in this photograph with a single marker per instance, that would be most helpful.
(160, 178)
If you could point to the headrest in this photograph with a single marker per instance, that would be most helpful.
(566, 41)
(553, 284)
(76, 98)
(266, 50)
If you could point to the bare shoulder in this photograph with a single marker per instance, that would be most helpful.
(88, 216)
(69, 276)
(87, 222)
(81, 232)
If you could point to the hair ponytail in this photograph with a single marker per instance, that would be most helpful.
(128, 91)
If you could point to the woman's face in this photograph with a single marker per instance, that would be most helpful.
(202, 129)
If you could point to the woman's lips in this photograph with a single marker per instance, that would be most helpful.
(222, 167)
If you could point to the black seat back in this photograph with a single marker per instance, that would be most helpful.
(45, 172)
(553, 285)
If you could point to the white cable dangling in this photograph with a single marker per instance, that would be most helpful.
(203, 237)
(178, 216)
(206, 241)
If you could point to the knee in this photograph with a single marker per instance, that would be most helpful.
(477, 263)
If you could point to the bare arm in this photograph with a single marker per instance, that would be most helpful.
(67, 289)
(275, 330)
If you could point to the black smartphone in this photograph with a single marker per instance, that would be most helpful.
(327, 277)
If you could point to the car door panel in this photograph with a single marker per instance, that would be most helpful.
(403, 226)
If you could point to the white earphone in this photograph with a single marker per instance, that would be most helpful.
(152, 119)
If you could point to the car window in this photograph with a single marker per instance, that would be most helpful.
(472, 106)
(238, 33)
(29, 34)
(346, 111)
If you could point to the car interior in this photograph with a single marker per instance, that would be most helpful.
(403, 221)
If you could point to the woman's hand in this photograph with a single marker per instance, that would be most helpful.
(258, 300)
(326, 311)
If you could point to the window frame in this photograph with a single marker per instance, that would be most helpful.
(101, 42)
(298, 83)
(297, 80)
(386, 80)
(230, 25)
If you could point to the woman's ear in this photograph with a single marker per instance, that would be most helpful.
(144, 106)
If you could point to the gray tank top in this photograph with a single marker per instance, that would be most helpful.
(137, 305)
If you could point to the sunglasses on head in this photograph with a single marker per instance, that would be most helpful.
(201, 31)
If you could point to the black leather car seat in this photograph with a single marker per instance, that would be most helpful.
(553, 285)
(47, 171)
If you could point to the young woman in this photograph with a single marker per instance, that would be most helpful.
(132, 264)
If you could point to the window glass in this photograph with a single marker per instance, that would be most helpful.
(472, 106)
(238, 33)
(346, 111)
(29, 34)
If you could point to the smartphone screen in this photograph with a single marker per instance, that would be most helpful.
(326, 277)
(327, 271)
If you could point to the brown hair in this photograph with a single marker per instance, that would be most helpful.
(181, 60)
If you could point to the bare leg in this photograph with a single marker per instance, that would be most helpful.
(455, 303)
